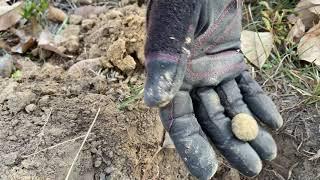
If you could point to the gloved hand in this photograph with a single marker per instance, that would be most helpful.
(196, 75)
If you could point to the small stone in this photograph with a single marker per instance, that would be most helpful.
(7, 91)
(102, 176)
(6, 65)
(35, 52)
(44, 101)
(94, 51)
(87, 24)
(98, 162)
(109, 170)
(20, 100)
(9, 159)
(128, 64)
(94, 150)
(232, 174)
(12, 138)
(30, 108)
(110, 154)
(134, 79)
(93, 16)
(72, 45)
(75, 19)
(108, 163)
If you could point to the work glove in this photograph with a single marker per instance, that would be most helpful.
(197, 77)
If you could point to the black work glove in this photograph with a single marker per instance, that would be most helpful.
(197, 77)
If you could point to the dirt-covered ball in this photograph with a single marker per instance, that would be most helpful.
(245, 127)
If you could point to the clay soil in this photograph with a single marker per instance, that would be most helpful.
(45, 115)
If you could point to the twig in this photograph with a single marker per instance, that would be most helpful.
(291, 169)
(54, 146)
(83, 142)
(40, 135)
(316, 156)
(148, 165)
(275, 173)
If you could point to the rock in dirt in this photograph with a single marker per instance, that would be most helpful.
(94, 51)
(7, 91)
(75, 19)
(30, 108)
(88, 24)
(6, 65)
(98, 162)
(56, 14)
(232, 174)
(9, 159)
(20, 100)
(85, 11)
(85, 68)
(71, 38)
(109, 170)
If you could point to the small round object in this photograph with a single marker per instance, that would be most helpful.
(245, 127)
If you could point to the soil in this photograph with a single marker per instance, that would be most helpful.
(45, 114)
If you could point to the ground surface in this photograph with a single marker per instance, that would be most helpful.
(49, 105)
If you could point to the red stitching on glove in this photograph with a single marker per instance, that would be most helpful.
(162, 56)
(226, 33)
(171, 116)
(200, 40)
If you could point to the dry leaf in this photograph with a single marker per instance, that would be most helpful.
(297, 31)
(309, 46)
(56, 14)
(303, 9)
(48, 42)
(256, 46)
(315, 10)
(9, 15)
(85, 11)
(317, 2)
(26, 41)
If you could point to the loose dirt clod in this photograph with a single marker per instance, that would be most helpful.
(56, 14)
(245, 127)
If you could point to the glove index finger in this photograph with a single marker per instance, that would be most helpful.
(165, 76)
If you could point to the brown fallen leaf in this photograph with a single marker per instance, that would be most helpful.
(85, 11)
(256, 46)
(303, 10)
(26, 41)
(315, 10)
(309, 46)
(297, 31)
(56, 14)
(48, 42)
(9, 15)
